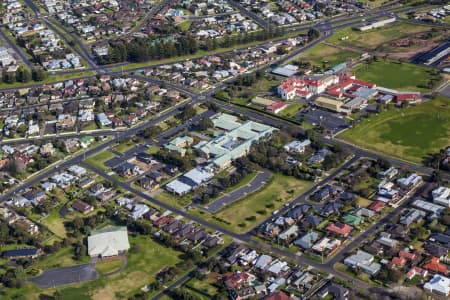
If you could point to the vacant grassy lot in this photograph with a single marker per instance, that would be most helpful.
(124, 146)
(184, 26)
(409, 133)
(98, 160)
(173, 200)
(203, 288)
(105, 267)
(396, 75)
(321, 53)
(55, 223)
(371, 39)
(252, 210)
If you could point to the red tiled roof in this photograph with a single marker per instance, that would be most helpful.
(341, 229)
(435, 266)
(377, 206)
(278, 296)
(276, 105)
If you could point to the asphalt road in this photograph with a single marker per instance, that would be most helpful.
(257, 182)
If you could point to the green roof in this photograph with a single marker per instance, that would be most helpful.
(352, 220)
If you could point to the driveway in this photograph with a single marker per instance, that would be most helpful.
(66, 275)
(257, 182)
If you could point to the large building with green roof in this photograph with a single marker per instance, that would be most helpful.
(234, 141)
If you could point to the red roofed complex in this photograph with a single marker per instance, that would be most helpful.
(340, 229)
(305, 87)
(434, 265)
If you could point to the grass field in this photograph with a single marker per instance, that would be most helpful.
(173, 200)
(291, 110)
(409, 133)
(105, 267)
(321, 53)
(184, 26)
(124, 146)
(98, 160)
(371, 39)
(252, 210)
(55, 223)
(396, 75)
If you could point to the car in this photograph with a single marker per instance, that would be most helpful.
(275, 212)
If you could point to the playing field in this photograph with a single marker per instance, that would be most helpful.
(324, 54)
(252, 210)
(371, 39)
(397, 75)
(409, 133)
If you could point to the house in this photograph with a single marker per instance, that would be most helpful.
(435, 266)
(139, 211)
(86, 183)
(387, 174)
(410, 182)
(441, 196)
(21, 253)
(438, 284)
(339, 229)
(351, 220)
(127, 170)
(364, 261)
(107, 242)
(297, 146)
(82, 207)
(416, 271)
(236, 280)
(376, 206)
(412, 216)
(307, 240)
(337, 291)
(47, 150)
(276, 107)
(280, 295)
(26, 225)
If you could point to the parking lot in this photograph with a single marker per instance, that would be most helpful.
(332, 122)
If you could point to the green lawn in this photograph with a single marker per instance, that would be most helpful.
(152, 150)
(291, 110)
(321, 53)
(123, 147)
(371, 39)
(105, 267)
(184, 26)
(252, 210)
(98, 160)
(173, 200)
(409, 133)
(203, 288)
(397, 75)
(55, 223)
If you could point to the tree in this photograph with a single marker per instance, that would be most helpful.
(313, 34)
(23, 74)
(205, 123)
(38, 74)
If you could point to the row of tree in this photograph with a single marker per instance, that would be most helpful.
(23, 74)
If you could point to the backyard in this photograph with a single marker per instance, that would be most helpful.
(410, 133)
